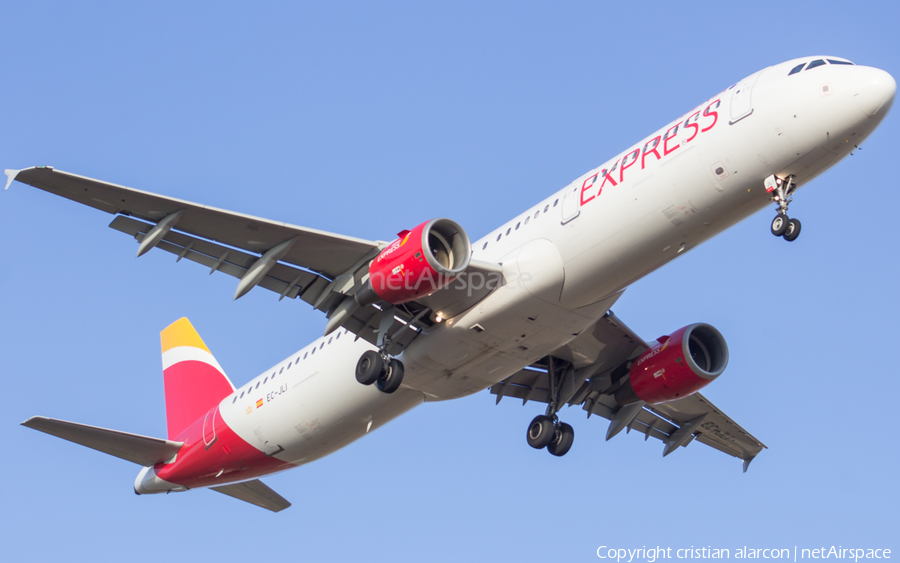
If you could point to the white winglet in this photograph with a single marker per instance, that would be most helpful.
(10, 176)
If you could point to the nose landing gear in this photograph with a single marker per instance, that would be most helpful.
(782, 226)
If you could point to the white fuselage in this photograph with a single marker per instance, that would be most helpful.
(565, 259)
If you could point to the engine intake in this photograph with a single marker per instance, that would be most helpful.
(677, 366)
(418, 263)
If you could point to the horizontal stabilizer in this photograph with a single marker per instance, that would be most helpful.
(141, 450)
(255, 492)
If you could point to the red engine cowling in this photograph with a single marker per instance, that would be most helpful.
(420, 262)
(677, 366)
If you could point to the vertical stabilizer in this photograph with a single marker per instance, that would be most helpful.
(194, 380)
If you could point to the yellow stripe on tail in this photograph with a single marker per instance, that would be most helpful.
(181, 333)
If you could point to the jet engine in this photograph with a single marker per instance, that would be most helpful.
(677, 366)
(418, 263)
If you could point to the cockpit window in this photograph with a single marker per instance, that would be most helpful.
(836, 62)
(815, 63)
(796, 69)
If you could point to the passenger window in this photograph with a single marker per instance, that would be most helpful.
(536, 213)
(509, 230)
(527, 219)
(329, 340)
(257, 384)
(546, 207)
(313, 351)
(305, 354)
(517, 226)
(834, 62)
(796, 69)
(322, 345)
(498, 237)
(266, 379)
(281, 371)
(555, 202)
(289, 366)
(233, 400)
(484, 247)
(338, 336)
(242, 394)
(815, 63)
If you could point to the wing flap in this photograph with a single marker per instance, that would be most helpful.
(526, 384)
(661, 421)
(255, 492)
(142, 450)
(718, 430)
(281, 278)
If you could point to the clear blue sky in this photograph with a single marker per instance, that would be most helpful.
(368, 118)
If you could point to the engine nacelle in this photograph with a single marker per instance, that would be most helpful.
(677, 366)
(420, 262)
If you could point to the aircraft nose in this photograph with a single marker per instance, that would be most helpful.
(875, 90)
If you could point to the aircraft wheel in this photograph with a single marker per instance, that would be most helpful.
(392, 378)
(541, 432)
(780, 224)
(369, 367)
(562, 440)
(792, 231)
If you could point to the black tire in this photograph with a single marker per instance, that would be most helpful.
(793, 230)
(369, 367)
(392, 378)
(540, 432)
(562, 440)
(780, 224)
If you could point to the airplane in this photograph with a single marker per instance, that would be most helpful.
(524, 312)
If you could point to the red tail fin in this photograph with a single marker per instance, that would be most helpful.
(194, 380)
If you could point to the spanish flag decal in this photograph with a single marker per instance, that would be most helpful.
(259, 403)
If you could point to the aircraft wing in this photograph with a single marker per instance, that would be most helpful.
(255, 492)
(587, 371)
(322, 252)
(318, 267)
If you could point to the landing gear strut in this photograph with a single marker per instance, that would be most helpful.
(378, 366)
(546, 431)
(782, 191)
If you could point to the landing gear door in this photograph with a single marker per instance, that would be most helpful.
(741, 99)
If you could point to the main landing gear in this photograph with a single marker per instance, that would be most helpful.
(381, 369)
(546, 431)
(378, 366)
(782, 226)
